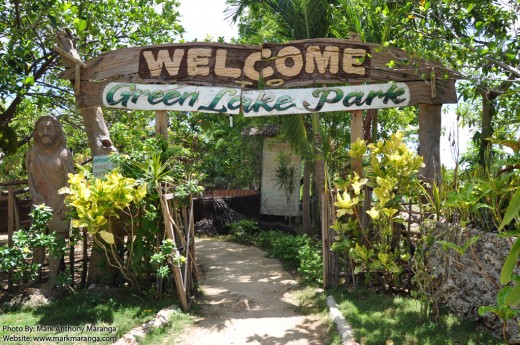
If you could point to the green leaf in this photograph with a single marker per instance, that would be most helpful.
(29, 80)
(513, 297)
(459, 249)
(512, 210)
(82, 25)
(486, 309)
(107, 236)
(510, 263)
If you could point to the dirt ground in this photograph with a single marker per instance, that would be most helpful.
(247, 299)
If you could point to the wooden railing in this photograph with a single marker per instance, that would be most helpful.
(13, 213)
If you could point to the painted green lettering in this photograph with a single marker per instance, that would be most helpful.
(138, 93)
(172, 95)
(374, 94)
(283, 103)
(324, 97)
(125, 95)
(234, 103)
(246, 104)
(261, 102)
(393, 94)
(357, 95)
(155, 97)
(194, 96)
(217, 99)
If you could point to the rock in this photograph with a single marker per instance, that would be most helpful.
(465, 283)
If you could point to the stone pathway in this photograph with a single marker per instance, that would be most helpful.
(247, 299)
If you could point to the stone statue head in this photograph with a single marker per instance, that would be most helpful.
(48, 133)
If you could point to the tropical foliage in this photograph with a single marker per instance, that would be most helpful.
(30, 67)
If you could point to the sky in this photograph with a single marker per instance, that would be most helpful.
(201, 18)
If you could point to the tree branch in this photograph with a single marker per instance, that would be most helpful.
(8, 115)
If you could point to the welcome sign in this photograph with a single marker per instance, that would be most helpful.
(271, 79)
(254, 102)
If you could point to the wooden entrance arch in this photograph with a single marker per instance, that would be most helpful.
(300, 77)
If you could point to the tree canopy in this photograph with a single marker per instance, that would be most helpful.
(30, 66)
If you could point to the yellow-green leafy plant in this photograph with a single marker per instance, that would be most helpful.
(94, 203)
(375, 245)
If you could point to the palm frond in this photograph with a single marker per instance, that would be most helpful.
(294, 130)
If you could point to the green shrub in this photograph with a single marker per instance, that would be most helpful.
(244, 231)
(297, 251)
(17, 259)
(311, 263)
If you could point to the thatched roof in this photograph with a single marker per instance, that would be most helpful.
(265, 131)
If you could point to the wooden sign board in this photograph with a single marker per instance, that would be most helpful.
(305, 63)
(101, 166)
(276, 65)
(255, 102)
(162, 77)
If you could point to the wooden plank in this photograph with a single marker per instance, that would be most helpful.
(187, 268)
(17, 222)
(181, 289)
(13, 183)
(255, 102)
(126, 61)
(294, 64)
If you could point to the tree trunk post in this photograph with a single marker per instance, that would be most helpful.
(321, 182)
(95, 127)
(488, 110)
(161, 123)
(429, 142)
(306, 203)
(98, 139)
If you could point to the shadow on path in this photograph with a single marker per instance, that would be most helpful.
(248, 299)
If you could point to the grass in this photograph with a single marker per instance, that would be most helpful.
(106, 314)
(167, 335)
(382, 319)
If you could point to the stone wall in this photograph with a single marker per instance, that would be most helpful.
(464, 283)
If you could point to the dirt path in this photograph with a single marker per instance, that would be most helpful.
(248, 299)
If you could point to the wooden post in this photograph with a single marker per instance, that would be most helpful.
(10, 228)
(321, 183)
(181, 289)
(93, 120)
(306, 202)
(356, 128)
(161, 123)
(429, 142)
(10, 215)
